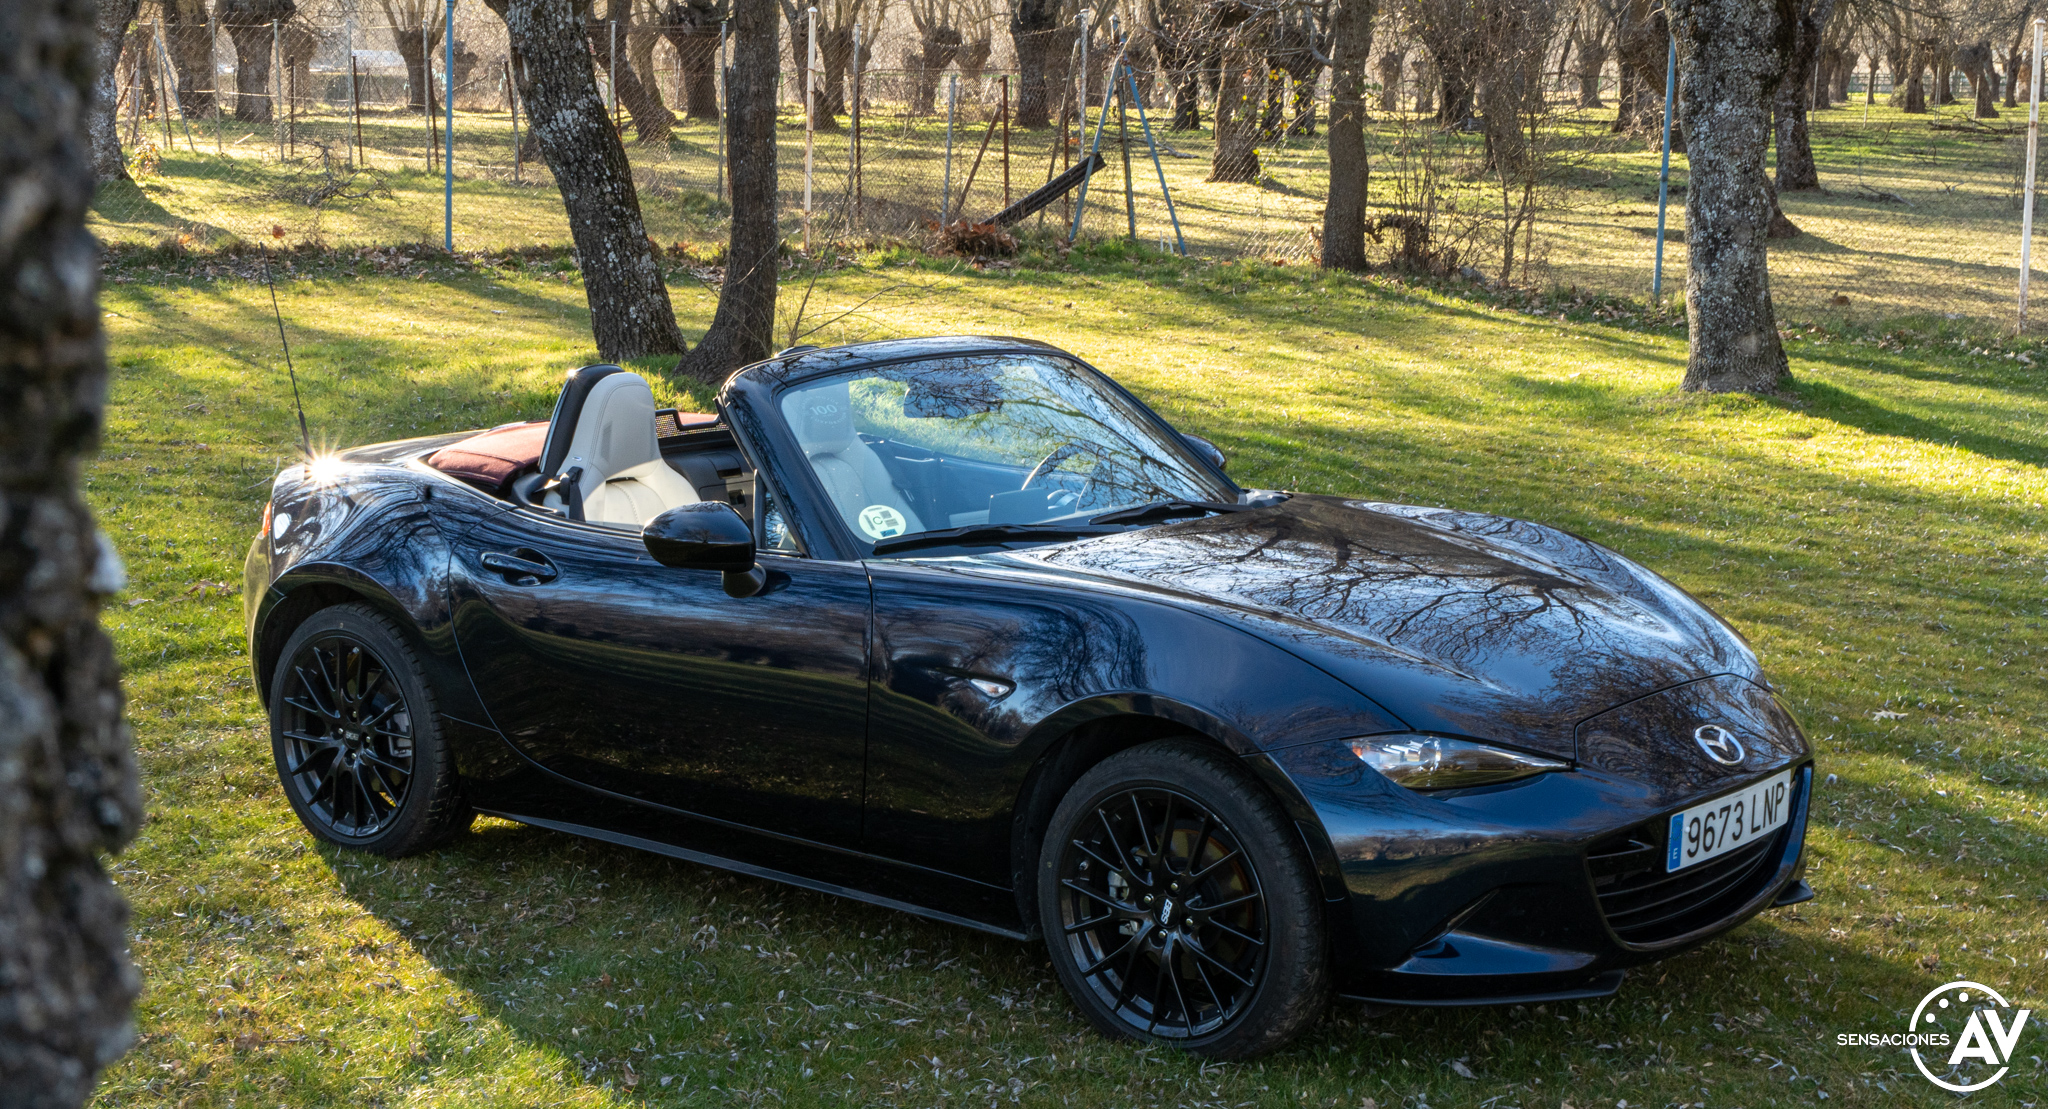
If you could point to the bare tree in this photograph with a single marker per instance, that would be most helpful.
(110, 31)
(939, 42)
(691, 27)
(1732, 54)
(188, 38)
(1297, 44)
(1236, 156)
(1390, 68)
(249, 26)
(68, 790)
(1176, 29)
(1796, 168)
(642, 35)
(1041, 32)
(1350, 29)
(630, 314)
(416, 28)
(744, 325)
(611, 40)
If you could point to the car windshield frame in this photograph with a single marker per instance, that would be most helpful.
(818, 508)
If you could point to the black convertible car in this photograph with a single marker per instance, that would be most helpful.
(959, 627)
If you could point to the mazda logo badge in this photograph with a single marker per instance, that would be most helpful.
(1719, 743)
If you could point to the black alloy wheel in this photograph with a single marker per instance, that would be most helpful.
(1175, 908)
(357, 744)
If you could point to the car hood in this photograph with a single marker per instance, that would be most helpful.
(1455, 622)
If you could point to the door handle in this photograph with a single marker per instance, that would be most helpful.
(523, 568)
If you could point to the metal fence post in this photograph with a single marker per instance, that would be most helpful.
(952, 104)
(810, 114)
(355, 108)
(2033, 141)
(213, 45)
(427, 91)
(276, 90)
(448, 154)
(853, 140)
(1006, 140)
(512, 95)
(611, 74)
(348, 44)
(1664, 174)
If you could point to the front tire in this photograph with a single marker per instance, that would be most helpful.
(357, 738)
(1178, 905)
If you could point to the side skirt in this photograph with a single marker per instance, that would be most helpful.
(750, 869)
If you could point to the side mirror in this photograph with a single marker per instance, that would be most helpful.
(707, 535)
(1206, 449)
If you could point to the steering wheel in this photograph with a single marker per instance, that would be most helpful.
(1051, 462)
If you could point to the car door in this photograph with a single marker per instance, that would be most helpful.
(616, 672)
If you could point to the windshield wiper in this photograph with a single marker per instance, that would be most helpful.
(1166, 510)
(983, 534)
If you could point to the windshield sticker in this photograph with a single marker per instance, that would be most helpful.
(880, 521)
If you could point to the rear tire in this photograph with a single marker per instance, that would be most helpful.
(1179, 907)
(356, 735)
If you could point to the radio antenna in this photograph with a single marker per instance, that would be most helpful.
(305, 439)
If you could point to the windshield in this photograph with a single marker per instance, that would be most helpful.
(985, 440)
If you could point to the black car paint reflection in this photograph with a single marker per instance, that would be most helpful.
(898, 729)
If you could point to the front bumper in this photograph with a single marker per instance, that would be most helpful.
(1546, 889)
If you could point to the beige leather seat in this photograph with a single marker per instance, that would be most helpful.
(611, 464)
(850, 471)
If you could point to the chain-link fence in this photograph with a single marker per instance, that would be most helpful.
(336, 133)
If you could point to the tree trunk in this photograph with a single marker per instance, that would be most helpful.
(1037, 34)
(1642, 37)
(1236, 157)
(630, 315)
(693, 31)
(2013, 56)
(743, 328)
(420, 93)
(68, 789)
(1350, 33)
(1796, 169)
(835, 54)
(1907, 60)
(102, 123)
(1390, 66)
(1592, 59)
(640, 42)
(1850, 60)
(1454, 106)
(1734, 55)
(252, 70)
(652, 122)
(189, 40)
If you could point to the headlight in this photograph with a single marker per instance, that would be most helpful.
(1433, 762)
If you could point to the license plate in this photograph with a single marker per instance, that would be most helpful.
(1729, 822)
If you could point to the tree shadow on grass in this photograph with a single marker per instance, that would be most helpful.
(1831, 402)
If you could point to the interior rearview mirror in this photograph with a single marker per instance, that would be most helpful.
(707, 535)
(1206, 449)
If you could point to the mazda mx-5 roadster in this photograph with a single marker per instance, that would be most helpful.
(959, 627)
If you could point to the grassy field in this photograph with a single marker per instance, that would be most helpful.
(1911, 221)
(1877, 533)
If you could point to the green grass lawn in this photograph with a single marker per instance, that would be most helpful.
(1877, 533)
(1910, 222)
